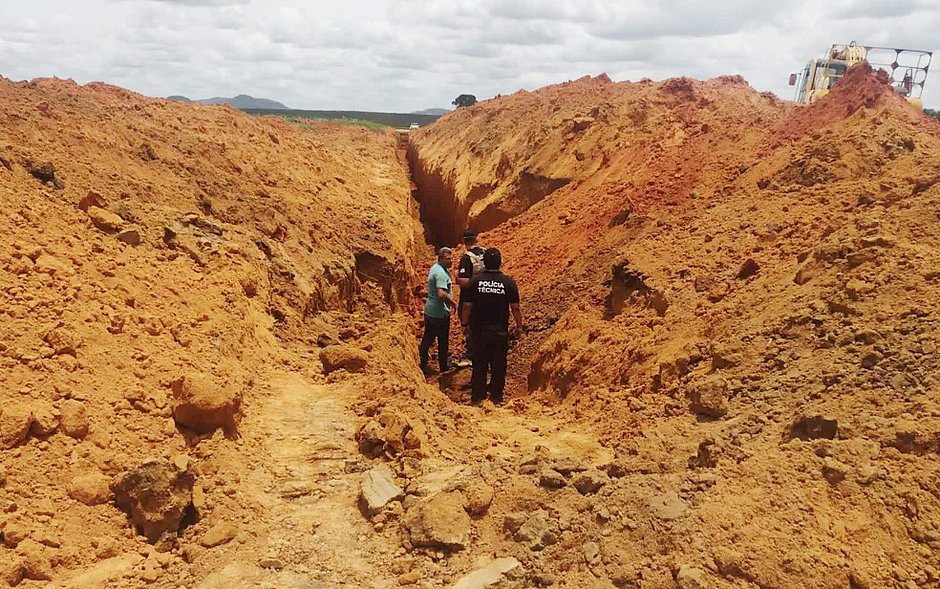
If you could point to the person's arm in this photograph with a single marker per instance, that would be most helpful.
(443, 283)
(465, 315)
(516, 314)
(467, 295)
(444, 295)
(464, 271)
(513, 292)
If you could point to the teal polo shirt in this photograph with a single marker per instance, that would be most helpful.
(438, 277)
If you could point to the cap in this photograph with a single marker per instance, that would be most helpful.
(469, 234)
(492, 259)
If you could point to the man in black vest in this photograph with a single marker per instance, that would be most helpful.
(470, 265)
(487, 301)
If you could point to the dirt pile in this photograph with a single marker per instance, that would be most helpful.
(482, 165)
(738, 297)
(158, 258)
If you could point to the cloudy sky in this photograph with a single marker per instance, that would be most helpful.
(407, 55)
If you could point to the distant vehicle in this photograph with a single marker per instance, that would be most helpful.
(907, 69)
(414, 126)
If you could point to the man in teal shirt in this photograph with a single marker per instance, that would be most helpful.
(437, 312)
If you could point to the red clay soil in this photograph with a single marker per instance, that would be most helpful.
(147, 241)
(738, 297)
(729, 378)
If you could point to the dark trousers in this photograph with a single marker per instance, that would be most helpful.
(467, 336)
(468, 342)
(439, 329)
(490, 348)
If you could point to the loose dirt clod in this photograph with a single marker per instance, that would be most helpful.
(15, 420)
(709, 397)
(343, 357)
(204, 405)
(74, 420)
(92, 488)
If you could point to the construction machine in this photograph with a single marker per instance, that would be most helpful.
(906, 68)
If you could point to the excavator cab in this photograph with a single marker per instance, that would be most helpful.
(907, 69)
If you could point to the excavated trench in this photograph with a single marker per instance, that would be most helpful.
(443, 218)
(682, 439)
(445, 213)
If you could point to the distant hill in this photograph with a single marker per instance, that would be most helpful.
(242, 101)
(432, 111)
(245, 101)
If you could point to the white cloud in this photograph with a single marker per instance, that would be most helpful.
(545, 10)
(525, 33)
(403, 56)
(853, 9)
(201, 2)
(636, 19)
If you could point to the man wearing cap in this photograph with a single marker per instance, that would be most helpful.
(437, 312)
(487, 300)
(470, 265)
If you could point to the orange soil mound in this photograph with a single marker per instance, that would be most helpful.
(739, 297)
(145, 241)
(861, 87)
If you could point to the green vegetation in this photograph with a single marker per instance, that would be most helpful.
(933, 113)
(360, 122)
(372, 120)
(351, 122)
(464, 100)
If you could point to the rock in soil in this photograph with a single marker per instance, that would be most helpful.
(535, 534)
(378, 489)
(439, 522)
(691, 578)
(37, 560)
(105, 220)
(667, 506)
(130, 236)
(218, 534)
(157, 496)
(552, 479)
(488, 575)
(709, 397)
(45, 421)
(590, 481)
(479, 497)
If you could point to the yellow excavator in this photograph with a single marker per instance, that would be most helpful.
(907, 69)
